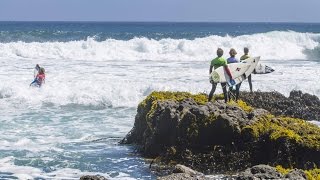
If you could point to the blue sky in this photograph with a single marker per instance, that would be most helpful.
(161, 10)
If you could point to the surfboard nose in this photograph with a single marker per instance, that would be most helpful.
(269, 69)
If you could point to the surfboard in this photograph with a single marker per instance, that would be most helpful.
(219, 75)
(253, 62)
(263, 69)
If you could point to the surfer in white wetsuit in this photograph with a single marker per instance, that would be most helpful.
(215, 63)
(244, 57)
(233, 59)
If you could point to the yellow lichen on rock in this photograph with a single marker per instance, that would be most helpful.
(302, 132)
(282, 170)
(177, 96)
(313, 174)
(243, 105)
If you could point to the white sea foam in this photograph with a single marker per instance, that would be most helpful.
(105, 84)
(27, 172)
(92, 90)
(272, 45)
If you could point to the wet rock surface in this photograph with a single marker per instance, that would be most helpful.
(260, 172)
(268, 172)
(92, 177)
(218, 137)
(183, 172)
(298, 105)
(297, 174)
(181, 176)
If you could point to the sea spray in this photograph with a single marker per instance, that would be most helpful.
(279, 45)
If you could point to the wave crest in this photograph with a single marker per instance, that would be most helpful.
(272, 45)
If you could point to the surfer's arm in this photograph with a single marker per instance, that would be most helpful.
(210, 70)
(228, 71)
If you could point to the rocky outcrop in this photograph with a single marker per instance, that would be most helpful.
(256, 172)
(92, 177)
(297, 105)
(297, 174)
(219, 137)
(260, 172)
(268, 172)
(184, 169)
(182, 172)
(181, 176)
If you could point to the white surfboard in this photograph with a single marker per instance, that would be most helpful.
(253, 64)
(263, 69)
(219, 75)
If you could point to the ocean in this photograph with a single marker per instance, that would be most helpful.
(98, 72)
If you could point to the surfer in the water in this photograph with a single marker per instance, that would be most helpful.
(215, 63)
(244, 57)
(40, 78)
(233, 59)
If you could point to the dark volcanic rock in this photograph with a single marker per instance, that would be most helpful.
(89, 177)
(181, 176)
(260, 172)
(268, 172)
(297, 174)
(182, 172)
(297, 105)
(219, 137)
(186, 124)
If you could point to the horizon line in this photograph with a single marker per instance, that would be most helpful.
(93, 21)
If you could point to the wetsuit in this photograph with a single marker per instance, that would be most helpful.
(231, 60)
(244, 57)
(38, 80)
(215, 63)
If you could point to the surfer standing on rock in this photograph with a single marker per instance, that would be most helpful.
(233, 59)
(244, 57)
(216, 63)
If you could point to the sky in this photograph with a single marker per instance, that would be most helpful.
(161, 10)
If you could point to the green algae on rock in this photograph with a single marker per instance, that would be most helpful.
(187, 129)
(311, 174)
(176, 96)
(298, 130)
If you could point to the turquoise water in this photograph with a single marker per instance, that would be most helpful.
(97, 73)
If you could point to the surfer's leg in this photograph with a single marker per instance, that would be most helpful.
(213, 89)
(225, 93)
(250, 82)
(237, 91)
(34, 82)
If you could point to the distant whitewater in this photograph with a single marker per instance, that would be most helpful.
(271, 45)
(97, 73)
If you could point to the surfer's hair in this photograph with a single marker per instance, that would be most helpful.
(232, 52)
(41, 71)
(219, 52)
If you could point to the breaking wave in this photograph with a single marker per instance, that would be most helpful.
(283, 45)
